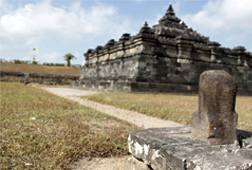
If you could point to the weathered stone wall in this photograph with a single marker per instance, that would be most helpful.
(158, 74)
(49, 79)
(183, 76)
(115, 75)
(12, 76)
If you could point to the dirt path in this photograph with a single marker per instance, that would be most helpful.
(136, 118)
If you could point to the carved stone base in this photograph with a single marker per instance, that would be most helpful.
(172, 148)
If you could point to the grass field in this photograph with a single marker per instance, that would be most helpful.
(31, 68)
(43, 131)
(178, 108)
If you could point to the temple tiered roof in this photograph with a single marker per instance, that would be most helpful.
(170, 30)
(170, 26)
(169, 17)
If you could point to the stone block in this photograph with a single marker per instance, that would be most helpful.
(173, 148)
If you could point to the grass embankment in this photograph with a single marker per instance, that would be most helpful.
(43, 131)
(178, 108)
(31, 68)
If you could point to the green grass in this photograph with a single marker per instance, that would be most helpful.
(178, 108)
(43, 131)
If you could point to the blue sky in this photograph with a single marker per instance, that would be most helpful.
(57, 27)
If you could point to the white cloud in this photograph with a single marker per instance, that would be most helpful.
(224, 14)
(38, 21)
(34, 23)
(235, 38)
(52, 57)
(228, 22)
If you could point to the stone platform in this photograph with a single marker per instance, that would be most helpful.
(173, 148)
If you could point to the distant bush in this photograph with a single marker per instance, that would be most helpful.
(54, 64)
(17, 61)
(48, 64)
(59, 64)
(34, 62)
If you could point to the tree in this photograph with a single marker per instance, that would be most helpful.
(68, 57)
(34, 58)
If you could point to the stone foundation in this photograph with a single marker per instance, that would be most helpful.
(173, 148)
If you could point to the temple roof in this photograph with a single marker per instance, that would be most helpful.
(170, 26)
(170, 30)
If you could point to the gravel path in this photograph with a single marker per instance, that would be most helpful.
(136, 118)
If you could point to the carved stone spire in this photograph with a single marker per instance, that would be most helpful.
(169, 17)
(146, 24)
(146, 29)
(170, 10)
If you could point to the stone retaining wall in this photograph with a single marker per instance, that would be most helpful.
(49, 79)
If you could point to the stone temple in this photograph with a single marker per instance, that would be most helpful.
(169, 57)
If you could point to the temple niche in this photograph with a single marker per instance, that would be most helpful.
(167, 57)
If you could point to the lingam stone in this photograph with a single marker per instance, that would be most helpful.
(216, 120)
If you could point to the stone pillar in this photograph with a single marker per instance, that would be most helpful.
(215, 121)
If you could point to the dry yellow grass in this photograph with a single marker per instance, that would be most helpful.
(244, 110)
(178, 108)
(31, 68)
(42, 131)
